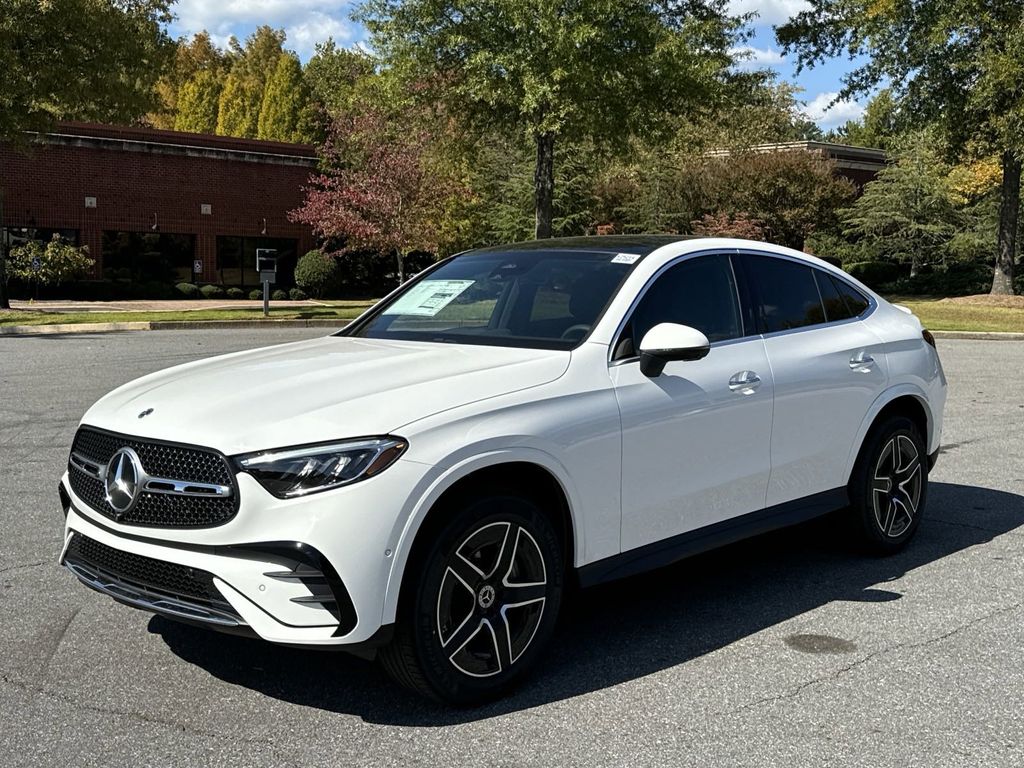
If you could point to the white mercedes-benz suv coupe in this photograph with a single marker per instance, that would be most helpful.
(424, 485)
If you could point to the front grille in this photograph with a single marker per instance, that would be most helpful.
(144, 579)
(181, 462)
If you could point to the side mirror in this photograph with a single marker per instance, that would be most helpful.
(669, 341)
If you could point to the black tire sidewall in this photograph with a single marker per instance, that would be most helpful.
(448, 683)
(861, 497)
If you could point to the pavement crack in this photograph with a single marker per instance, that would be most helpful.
(837, 673)
(138, 717)
(23, 566)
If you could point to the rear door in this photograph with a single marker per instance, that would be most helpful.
(695, 439)
(827, 366)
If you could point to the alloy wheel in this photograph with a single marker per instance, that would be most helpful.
(491, 599)
(896, 486)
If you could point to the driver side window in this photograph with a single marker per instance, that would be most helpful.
(699, 292)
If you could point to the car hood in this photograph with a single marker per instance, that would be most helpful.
(311, 391)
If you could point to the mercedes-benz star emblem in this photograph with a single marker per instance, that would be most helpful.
(121, 481)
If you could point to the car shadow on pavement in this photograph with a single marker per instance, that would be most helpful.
(628, 629)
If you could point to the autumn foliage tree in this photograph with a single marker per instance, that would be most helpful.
(380, 189)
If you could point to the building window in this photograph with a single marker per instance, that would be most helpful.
(15, 236)
(144, 257)
(236, 259)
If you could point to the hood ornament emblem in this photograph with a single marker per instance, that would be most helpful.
(145, 413)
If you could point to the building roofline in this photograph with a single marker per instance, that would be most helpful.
(157, 141)
(844, 155)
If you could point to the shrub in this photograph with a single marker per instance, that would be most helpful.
(189, 290)
(235, 293)
(952, 280)
(297, 294)
(874, 274)
(317, 274)
(279, 295)
(212, 291)
(256, 295)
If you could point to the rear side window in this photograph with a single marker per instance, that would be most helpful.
(700, 293)
(786, 294)
(835, 305)
(856, 301)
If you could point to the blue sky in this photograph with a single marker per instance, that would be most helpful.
(307, 22)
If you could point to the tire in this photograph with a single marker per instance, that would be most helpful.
(889, 486)
(475, 615)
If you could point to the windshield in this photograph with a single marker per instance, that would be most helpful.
(542, 299)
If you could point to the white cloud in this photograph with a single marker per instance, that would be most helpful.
(769, 12)
(818, 110)
(306, 22)
(749, 57)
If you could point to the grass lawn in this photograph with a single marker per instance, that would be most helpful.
(342, 313)
(968, 313)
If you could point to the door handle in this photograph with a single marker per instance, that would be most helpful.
(861, 361)
(744, 382)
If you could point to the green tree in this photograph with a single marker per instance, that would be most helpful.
(333, 74)
(879, 127)
(191, 57)
(594, 70)
(959, 63)
(907, 213)
(198, 103)
(241, 99)
(285, 114)
(92, 60)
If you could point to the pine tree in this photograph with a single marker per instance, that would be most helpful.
(198, 103)
(241, 100)
(284, 101)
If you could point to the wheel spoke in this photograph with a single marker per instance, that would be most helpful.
(466, 572)
(516, 594)
(881, 485)
(466, 632)
(508, 552)
(909, 461)
(503, 640)
(886, 461)
(906, 501)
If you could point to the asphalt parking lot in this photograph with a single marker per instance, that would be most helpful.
(786, 650)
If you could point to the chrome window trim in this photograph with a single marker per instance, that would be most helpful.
(872, 304)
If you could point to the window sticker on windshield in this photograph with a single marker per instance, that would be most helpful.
(626, 258)
(428, 298)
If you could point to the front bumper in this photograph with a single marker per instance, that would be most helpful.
(310, 571)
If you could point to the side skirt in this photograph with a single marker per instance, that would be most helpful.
(668, 551)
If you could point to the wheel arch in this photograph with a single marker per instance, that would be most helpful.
(535, 472)
(906, 401)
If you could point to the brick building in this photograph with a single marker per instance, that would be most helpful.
(159, 206)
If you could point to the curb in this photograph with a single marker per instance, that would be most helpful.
(979, 335)
(165, 325)
(337, 324)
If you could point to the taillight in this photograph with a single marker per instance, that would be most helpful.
(927, 335)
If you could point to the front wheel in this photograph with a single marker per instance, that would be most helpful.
(483, 604)
(889, 485)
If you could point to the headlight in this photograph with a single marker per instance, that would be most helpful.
(291, 472)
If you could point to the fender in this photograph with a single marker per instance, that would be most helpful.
(890, 394)
(439, 480)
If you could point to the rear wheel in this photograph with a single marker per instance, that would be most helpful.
(483, 603)
(889, 485)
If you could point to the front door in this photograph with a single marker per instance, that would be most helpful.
(695, 440)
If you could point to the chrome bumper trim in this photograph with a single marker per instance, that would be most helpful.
(151, 601)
